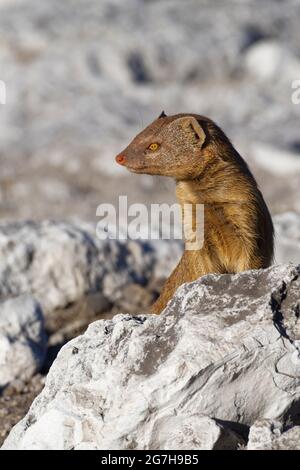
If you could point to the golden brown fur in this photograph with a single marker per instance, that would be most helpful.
(238, 230)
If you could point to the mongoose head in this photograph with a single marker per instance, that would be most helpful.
(178, 146)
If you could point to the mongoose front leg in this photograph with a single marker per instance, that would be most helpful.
(169, 288)
(191, 266)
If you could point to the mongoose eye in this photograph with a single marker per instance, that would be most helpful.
(153, 147)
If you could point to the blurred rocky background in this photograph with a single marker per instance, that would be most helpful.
(82, 78)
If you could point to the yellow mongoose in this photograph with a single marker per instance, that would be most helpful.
(238, 229)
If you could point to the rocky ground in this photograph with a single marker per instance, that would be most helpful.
(82, 79)
(212, 372)
(57, 278)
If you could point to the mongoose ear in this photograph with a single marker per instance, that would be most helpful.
(191, 126)
(162, 115)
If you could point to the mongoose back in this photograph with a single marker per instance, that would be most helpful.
(238, 229)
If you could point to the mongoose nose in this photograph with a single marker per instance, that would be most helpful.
(120, 159)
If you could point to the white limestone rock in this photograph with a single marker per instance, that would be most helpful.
(60, 263)
(227, 347)
(268, 435)
(194, 432)
(22, 339)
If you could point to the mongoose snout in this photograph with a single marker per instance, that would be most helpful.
(121, 159)
(238, 229)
